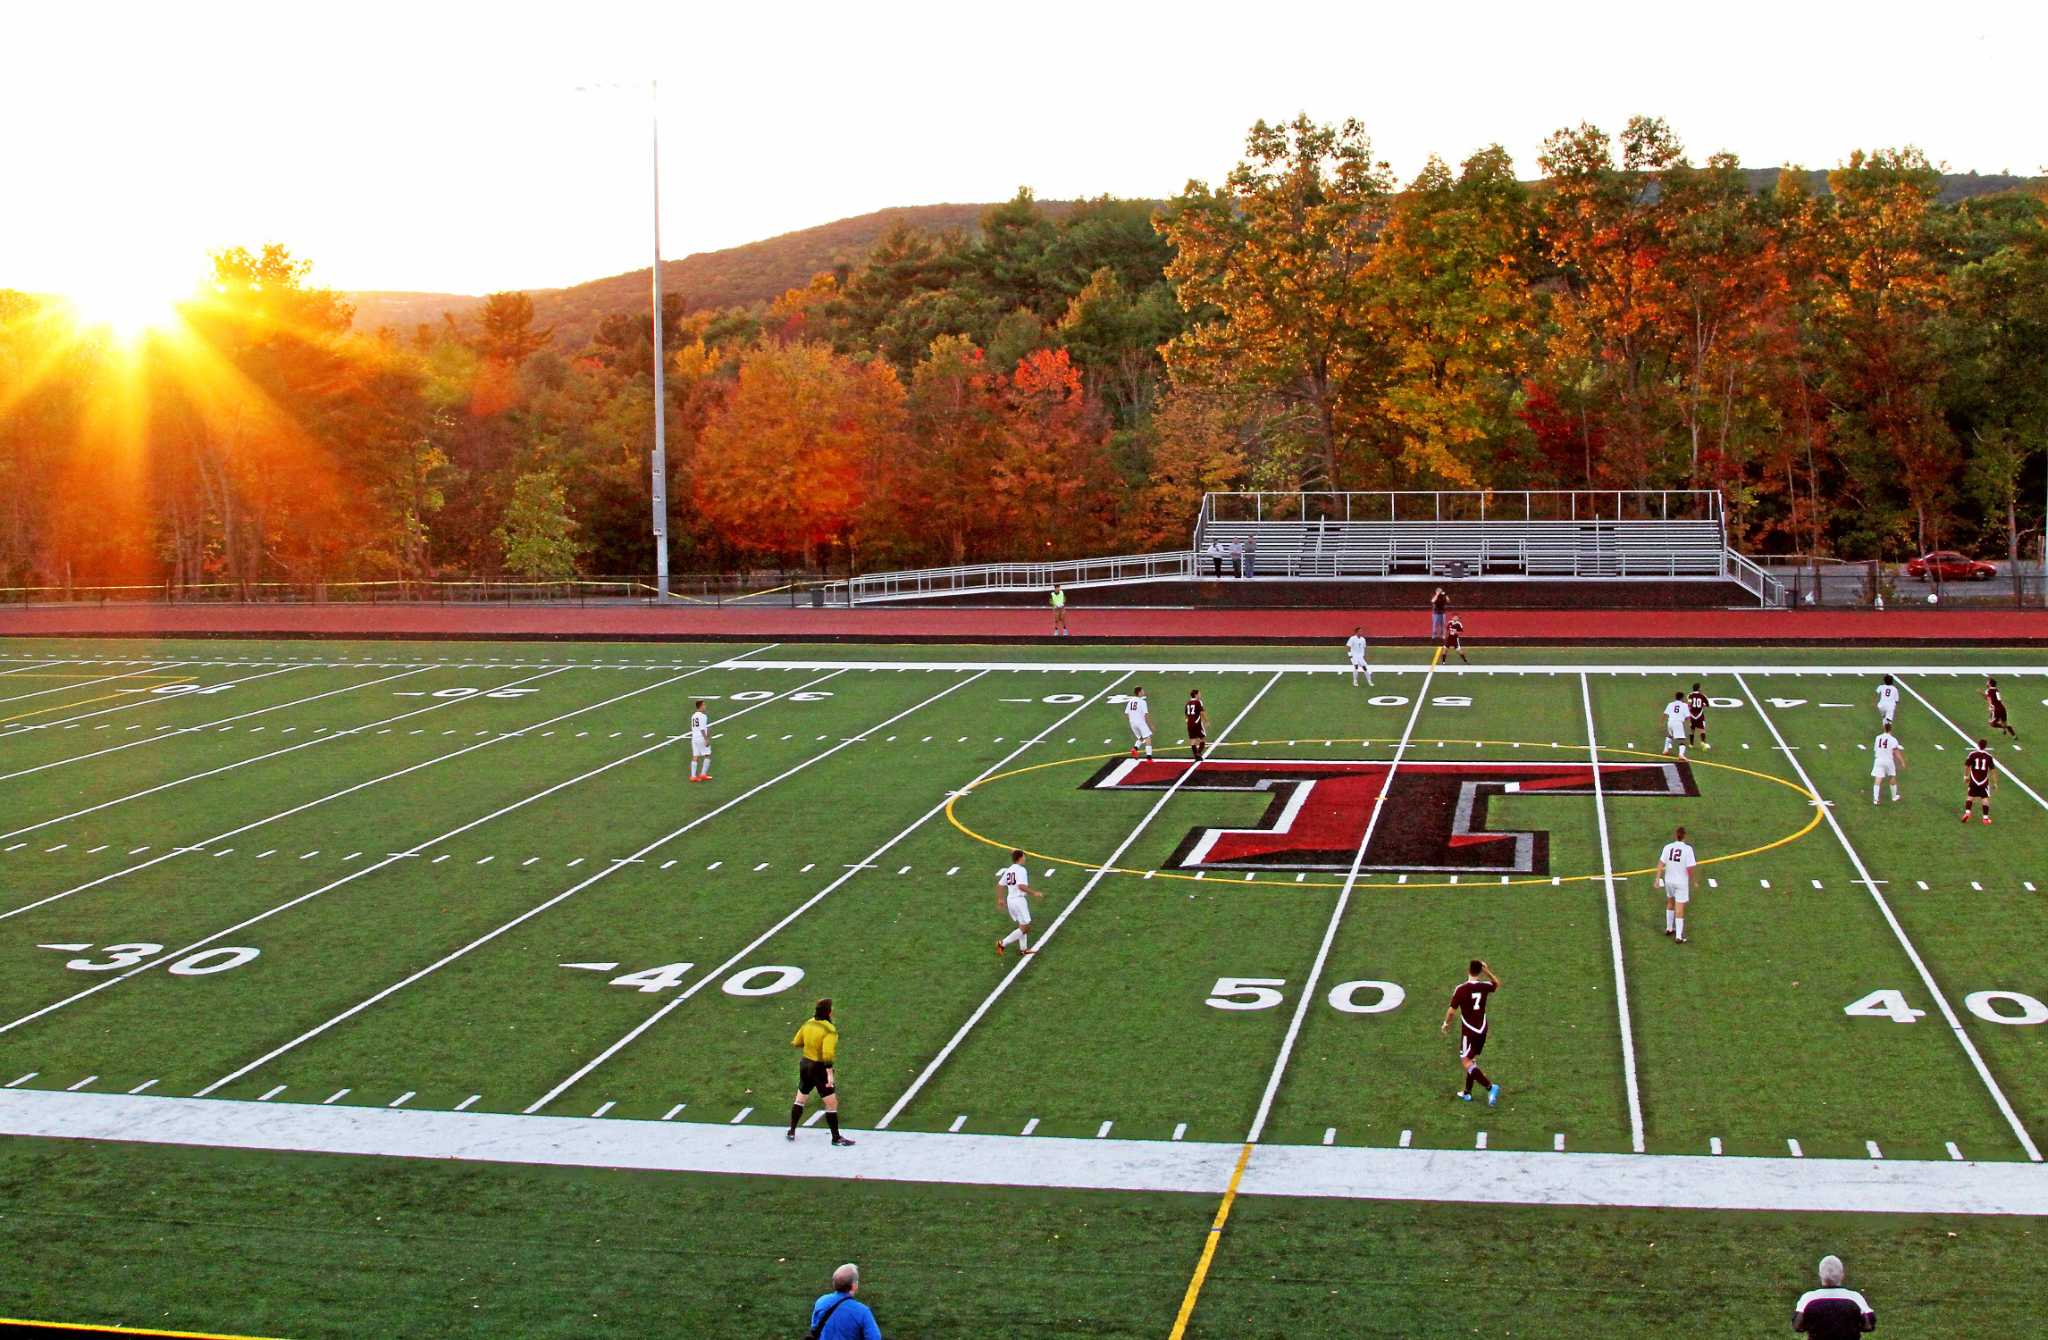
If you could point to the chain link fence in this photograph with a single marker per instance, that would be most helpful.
(1830, 583)
(712, 588)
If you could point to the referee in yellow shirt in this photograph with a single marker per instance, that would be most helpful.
(818, 1042)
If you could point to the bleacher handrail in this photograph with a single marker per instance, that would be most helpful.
(982, 578)
(1462, 504)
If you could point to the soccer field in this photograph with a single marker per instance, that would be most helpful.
(459, 901)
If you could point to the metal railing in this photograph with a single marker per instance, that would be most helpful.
(684, 588)
(1465, 505)
(982, 578)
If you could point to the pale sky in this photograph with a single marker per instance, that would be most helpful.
(445, 147)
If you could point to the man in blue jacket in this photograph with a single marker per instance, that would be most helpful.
(841, 1316)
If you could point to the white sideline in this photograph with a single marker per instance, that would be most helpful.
(1948, 1012)
(1024, 961)
(727, 966)
(1628, 1037)
(610, 869)
(370, 869)
(103, 679)
(147, 700)
(182, 849)
(1307, 995)
(310, 743)
(1967, 738)
(1335, 665)
(1497, 1177)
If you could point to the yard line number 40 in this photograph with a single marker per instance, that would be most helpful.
(1993, 1007)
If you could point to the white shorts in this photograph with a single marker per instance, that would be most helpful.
(1883, 767)
(1677, 890)
(700, 749)
(1677, 732)
(1020, 909)
(1140, 731)
(1358, 662)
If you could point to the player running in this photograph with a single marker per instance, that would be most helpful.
(1138, 713)
(700, 744)
(1980, 775)
(1014, 894)
(1454, 639)
(1198, 724)
(1995, 702)
(1468, 1007)
(1677, 716)
(1887, 701)
(1887, 757)
(1354, 648)
(1675, 865)
(1696, 718)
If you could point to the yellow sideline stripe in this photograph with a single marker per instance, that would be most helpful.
(1187, 1303)
(1790, 785)
(80, 703)
(121, 1330)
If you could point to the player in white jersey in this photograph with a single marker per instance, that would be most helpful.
(1675, 865)
(1676, 715)
(1354, 648)
(1138, 712)
(1887, 756)
(700, 744)
(1887, 701)
(1014, 894)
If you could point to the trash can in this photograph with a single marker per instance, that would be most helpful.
(817, 597)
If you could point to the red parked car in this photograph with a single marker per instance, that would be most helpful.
(1948, 566)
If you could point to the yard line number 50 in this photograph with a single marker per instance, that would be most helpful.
(1263, 993)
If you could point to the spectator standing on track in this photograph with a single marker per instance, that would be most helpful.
(817, 1068)
(839, 1315)
(1832, 1312)
(1439, 606)
(1059, 611)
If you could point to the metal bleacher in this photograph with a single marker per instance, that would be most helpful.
(1673, 534)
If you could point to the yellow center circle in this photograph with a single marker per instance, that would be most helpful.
(1605, 750)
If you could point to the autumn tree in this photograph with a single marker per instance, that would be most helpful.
(539, 531)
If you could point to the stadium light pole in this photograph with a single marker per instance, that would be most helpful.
(659, 466)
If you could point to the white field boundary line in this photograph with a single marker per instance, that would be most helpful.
(1499, 1177)
(1337, 665)
(147, 700)
(612, 868)
(309, 743)
(375, 866)
(1315, 973)
(1026, 960)
(84, 684)
(358, 786)
(1628, 1037)
(1969, 739)
(633, 1034)
(179, 730)
(30, 665)
(1926, 977)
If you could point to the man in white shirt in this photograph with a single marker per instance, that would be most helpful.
(700, 744)
(1014, 894)
(1674, 875)
(1138, 712)
(1887, 756)
(1676, 715)
(1887, 701)
(1354, 647)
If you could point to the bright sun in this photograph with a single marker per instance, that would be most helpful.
(127, 306)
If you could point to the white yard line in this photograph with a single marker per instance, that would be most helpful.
(372, 868)
(1628, 1037)
(143, 700)
(610, 869)
(86, 684)
(2003, 769)
(1024, 961)
(310, 743)
(1350, 1172)
(1307, 995)
(638, 1029)
(177, 850)
(1335, 666)
(1926, 977)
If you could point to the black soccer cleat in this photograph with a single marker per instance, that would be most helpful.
(838, 1140)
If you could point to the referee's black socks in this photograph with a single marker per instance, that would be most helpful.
(832, 1120)
(796, 1114)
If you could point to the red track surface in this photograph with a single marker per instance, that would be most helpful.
(953, 624)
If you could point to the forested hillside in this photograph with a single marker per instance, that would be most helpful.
(1862, 370)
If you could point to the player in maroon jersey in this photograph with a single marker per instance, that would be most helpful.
(1980, 774)
(1696, 718)
(1198, 724)
(1468, 1007)
(1996, 703)
(1454, 639)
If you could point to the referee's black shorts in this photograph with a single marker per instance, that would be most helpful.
(812, 1075)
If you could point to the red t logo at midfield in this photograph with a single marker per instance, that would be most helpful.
(1433, 821)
